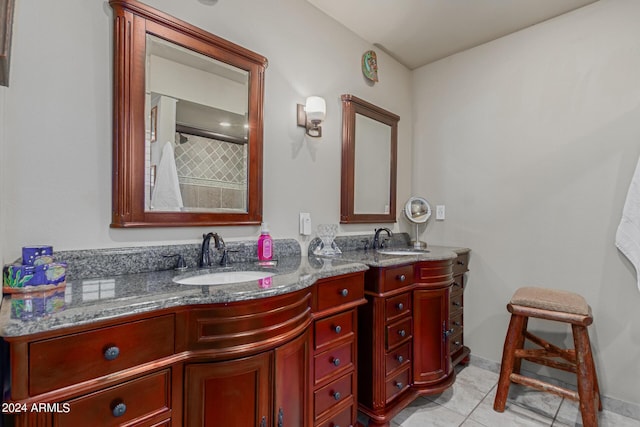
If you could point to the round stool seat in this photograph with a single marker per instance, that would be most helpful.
(552, 300)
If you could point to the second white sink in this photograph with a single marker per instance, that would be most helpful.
(222, 278)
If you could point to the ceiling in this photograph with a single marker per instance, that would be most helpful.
(417, 32)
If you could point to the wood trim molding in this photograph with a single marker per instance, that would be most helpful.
(6, 24)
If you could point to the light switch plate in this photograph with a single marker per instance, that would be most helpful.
(440, 214)
(305, 223)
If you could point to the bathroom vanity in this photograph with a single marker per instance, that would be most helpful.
(275, 353)
(411, 329)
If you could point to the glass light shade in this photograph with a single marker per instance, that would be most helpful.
(315, 108)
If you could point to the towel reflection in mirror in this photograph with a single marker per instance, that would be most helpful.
(166, 194)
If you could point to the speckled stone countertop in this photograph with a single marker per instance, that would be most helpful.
(91, 300)
(352, 248)
(111, 283)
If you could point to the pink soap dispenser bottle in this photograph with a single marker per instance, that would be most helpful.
(265, 244)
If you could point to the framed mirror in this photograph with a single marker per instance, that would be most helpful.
(369, 147)
(188, 120)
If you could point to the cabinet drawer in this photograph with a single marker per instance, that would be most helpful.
(458, 284)
(398, 332)
(59, 362)
(397, 306)
(394, 359)
(456, 342)
(332, 394)
(456, 302)
(341, 419)
(334, 328)
(335, 360)
(334, 292)
(397, 277)
(461, 264)
(134, 400)
(396, 385)
(455, 323)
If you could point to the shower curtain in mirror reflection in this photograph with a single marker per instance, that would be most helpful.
(166, 193)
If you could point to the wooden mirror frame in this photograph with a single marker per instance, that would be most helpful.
(351, 106)
(132, 22)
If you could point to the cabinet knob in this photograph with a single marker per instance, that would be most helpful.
(457, 342)
(401, 277)
(399, 385)
(112, 353)
(338, 329)
(402, 333)
(344, 292)
(400, 306)
(119, 409)
(457, 323)
(400, 359)
(337, 395)
(456, 284)
(460, 262)
(335, 361)
(456, 303)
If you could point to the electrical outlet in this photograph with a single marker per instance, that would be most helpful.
(440, 213)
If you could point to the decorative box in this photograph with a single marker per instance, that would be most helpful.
(28, 278)
(37, 255)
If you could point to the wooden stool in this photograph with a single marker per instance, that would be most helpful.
(560, 306)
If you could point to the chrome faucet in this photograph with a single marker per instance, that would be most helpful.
(377, 244)
(205, 254)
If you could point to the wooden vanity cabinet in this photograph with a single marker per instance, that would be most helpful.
(334, 383)
(280, 361)
(238, 392)
(403, 340)
(459, 352)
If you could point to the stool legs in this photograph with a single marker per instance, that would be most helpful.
(513, 341)
(587, 381)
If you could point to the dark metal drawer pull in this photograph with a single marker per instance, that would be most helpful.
(399, 385)
(337, 395)
(400, 306)
(400, 359)
(402, 333)
(456, 303)
(344, 292)
(112, 353)
(119, 409)
(338, 329)
(335, 361)
(401, 277)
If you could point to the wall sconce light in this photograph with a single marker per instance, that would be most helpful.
(311, 115)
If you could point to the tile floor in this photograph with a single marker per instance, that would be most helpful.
(469, 403)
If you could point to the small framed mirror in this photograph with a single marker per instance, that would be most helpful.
(369, 147)
(188, 110)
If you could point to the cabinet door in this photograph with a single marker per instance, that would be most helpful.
(233, 393)
(292, 379)
(431, 359)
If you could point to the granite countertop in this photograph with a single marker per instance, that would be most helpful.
(90, 300)
(373, 258)
(109, 293)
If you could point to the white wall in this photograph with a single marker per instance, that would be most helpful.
(530, 141)
(58, 118)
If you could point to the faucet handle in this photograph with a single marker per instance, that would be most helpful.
(181, 264)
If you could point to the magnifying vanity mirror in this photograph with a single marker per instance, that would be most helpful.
(369, 146)
(418, 211)
(188, 124)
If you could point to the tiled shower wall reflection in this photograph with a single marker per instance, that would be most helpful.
(212, 173)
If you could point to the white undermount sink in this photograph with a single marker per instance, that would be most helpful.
(222, 278)
(402, 251)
